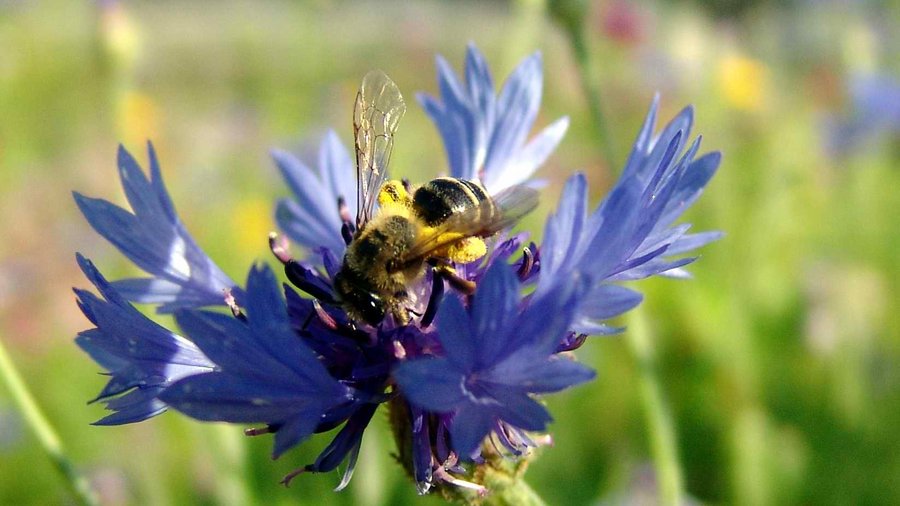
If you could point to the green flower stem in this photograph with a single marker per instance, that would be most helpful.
(507, 490)
(44, 432)
(660, 427)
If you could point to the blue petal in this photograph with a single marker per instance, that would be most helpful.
(471, 424)
(517, 108)
(421, 442)
(312, 219)
(654, 152)
(430, 383)
(641, 143)
(338, 170)
(696, 177)
(610, 246)
(606, 301)
(347, 442)
(265, 348)
(494, 310)
(652, 268)
(552, 375)
(520, 410)
(223, 397)
(296, 430)
(563, 234)
(271, 330)
(481, 93)
(453, 134)
(264, 304)
(484, 135)
(540, 327)
(168, 296)
(692, 241)
(142, 357)
(528, 159)
(154, 238)
(230, 344)
(306, 229)
(456, 334)
(134, 406)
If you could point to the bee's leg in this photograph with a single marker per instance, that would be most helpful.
(344, 327)
(399, 311)
(443, 272)
(447, 272)
(437, 292)
(467, 249)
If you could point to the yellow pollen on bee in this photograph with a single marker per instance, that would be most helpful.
(466, 250)
(394, 193)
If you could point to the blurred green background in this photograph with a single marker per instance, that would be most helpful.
(778, 362)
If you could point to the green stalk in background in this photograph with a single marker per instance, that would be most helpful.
(45, 433)
(231, 466)
(526, 34)
(660, 426)
(571, 14)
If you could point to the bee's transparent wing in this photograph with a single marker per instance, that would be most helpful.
(379, 107)
(484, 220)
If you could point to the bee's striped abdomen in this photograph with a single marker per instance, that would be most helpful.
(443, 197)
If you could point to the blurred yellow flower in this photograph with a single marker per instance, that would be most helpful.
(119, 33)
(138, 117)
(252, 221)
(742, 82)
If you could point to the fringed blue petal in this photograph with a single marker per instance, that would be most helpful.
(153, 237)
(143, 358)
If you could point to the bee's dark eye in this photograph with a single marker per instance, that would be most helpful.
(353, 294)
(371, 306)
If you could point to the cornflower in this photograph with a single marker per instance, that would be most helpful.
(463, 377)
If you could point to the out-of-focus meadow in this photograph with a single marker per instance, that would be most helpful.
(778, 361)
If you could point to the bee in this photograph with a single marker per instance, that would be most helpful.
(436, 225)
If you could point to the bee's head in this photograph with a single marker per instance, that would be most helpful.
(358, 301)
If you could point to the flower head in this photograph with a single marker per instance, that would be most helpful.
(483, 340)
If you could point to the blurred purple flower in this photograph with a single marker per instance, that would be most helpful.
(874, 114)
